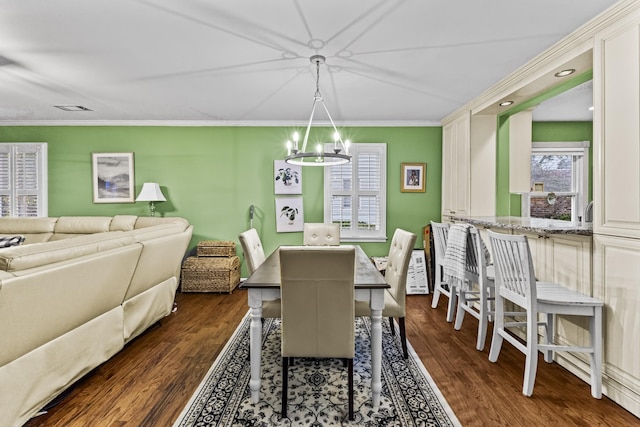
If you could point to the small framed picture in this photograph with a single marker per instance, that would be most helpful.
(287, 179)
(538, 187)
(289, 214)
(414, 177)
(113, 178)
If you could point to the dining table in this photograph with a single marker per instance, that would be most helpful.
(264, 285)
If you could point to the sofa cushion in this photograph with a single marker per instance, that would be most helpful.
(35, 230)
(39, 254)
(82, 224)
(150, 221)
(8, 241)
(123, 222)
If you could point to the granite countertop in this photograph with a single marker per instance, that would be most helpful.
(534, 225)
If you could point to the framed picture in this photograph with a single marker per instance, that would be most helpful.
(113, 178)
(287, 179)
(289, 214)
(538, 186)
(414, 176)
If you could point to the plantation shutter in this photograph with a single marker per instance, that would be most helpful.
(23, 181)
(355, 194)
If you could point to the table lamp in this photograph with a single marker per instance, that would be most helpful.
(151, 193)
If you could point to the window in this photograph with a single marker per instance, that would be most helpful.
(560, 168)
(23, 179)
(355, 194)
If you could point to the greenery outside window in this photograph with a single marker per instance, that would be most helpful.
(355, 194)
(561, 169)
(23, 179)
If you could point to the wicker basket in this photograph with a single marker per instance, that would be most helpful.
(213, 248)
(210, 274)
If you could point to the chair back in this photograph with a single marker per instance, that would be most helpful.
(321, 234)
(252, 248)
(515, 276)
(398, 260)
(317, 292)
(440, 232)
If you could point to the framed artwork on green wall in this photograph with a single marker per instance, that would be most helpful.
(287, 178)
(112, 177)
(289, 214)
(413, 176)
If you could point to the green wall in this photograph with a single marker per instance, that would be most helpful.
(211, 175)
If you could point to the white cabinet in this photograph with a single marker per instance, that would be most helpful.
(456, 166)
(616, 280)
(616, 86)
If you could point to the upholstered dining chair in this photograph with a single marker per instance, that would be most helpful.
(396, 276)
(317, 291)
(477, 297)
(516, 283)
(321, 234)
(254, 255)
(440, 232)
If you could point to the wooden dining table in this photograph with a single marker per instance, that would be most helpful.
(264, 285)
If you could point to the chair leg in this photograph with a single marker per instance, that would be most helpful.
(436, 288)
(285, 384)
(350, 380)
(531, 362)
(453, 299)
(403, 337)
(548, 337)
(393, 329)
(595, 327)
(498, 325)
(462, 300)
(484, 319)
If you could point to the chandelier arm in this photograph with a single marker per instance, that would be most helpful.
(334, 125)
(306, 132)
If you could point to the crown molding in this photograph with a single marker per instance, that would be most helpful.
(219, 123)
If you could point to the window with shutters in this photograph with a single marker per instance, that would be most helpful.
(355, 194)
(23, 179)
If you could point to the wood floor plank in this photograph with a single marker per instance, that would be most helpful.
(150, 381)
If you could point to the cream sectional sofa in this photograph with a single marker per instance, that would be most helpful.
(74, 294)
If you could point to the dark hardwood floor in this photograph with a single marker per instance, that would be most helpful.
(150, 381)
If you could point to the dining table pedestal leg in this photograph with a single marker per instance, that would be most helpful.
(255, 339)
(376, 304)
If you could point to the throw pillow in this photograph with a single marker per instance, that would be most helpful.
(5, 242)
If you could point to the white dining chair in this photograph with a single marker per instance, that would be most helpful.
(321, 234)
(440, 232)
(395, 304)
(317, 289)
(515, 282)
(254, 256)
(477, 297)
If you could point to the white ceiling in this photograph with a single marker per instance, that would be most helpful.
(247, 61)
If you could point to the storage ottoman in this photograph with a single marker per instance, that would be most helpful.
(210, 274)
(216, 248)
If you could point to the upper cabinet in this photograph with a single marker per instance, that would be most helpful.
(456, 166)
(616, 74)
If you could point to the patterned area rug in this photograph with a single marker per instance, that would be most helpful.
(317, 387)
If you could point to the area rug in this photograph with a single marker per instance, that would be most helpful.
(317, 387)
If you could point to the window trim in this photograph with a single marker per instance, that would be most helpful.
(353, 236)
(580, 174)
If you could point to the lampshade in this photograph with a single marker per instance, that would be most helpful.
(150, 193)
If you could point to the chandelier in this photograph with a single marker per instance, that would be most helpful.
(340, 152)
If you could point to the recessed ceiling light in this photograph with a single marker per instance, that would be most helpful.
(505, 103)
(565, 73)
(590, 108)
(72, 108)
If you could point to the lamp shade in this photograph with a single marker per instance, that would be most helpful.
(150, 193)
